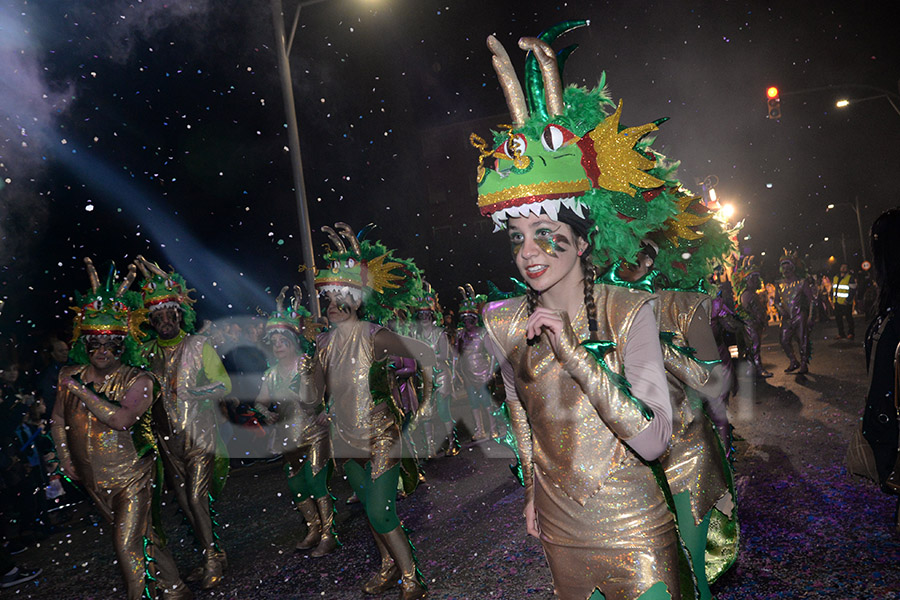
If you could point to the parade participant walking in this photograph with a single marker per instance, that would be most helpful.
(794, 298)
(101, 428)
(193, 380)
(557, 180)
(295, 410)
(751, 311)
(475, 366)
(697, 472)
(366, 281)
(428, 330)
(843, 292)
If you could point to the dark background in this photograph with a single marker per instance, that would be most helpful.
(158, 128)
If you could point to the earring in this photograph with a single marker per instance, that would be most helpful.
(580, 252)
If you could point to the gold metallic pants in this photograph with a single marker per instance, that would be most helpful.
(189, 471)
(127, 507)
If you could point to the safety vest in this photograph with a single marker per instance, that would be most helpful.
(843, 289)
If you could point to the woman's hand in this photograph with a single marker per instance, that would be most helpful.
(532, 527)
(544, 320)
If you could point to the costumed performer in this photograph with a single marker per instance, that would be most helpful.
(794, 299)
(573, 188)
(193, 381)
(429, 330)
(292, 405)
(695, 465)
(364, 280)
(752, 312)
(102, 431)
(474, 365)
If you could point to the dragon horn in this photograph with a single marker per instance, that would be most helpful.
(153, 267)
(92, 274)
(129, 279)
(279, 300)
(143, 269)
(347, 232)
(335, 238)
(471, 290)
(512, 89)
(298, 297)
(462, 292)
(549, 70)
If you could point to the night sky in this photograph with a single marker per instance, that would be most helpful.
(157, 128)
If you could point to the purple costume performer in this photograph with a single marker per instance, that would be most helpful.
(752, 311)
(793, 298)
(475, 366)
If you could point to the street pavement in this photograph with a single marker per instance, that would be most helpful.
(809, 530)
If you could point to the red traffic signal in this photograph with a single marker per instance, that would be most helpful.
(774, 103)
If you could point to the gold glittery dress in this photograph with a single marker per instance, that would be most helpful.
(117, 468)
(298, 434)
(365, 429)
(694, 463)
(603, 518)
(193, 380)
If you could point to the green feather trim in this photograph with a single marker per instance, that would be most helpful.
(668, 338)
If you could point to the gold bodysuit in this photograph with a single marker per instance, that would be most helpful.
(298, 435)
(365, 426)
(185, 424)
(695, 461)
(603, 518)
(117, 470)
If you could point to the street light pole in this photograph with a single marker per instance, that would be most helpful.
(282, 49)
(855, 208)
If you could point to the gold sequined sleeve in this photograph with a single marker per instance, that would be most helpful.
(624, 415)
(518, 420)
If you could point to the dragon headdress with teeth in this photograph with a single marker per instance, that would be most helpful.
(292, 320)
(369, 273)
(567, 149)
(164, 290)
(108, 309)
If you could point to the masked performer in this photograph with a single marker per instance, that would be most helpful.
(101, 428)
(366, 281)
(475, 366)
(429, 330)
(193, 381)
(695, 466)
(289, 400)
(752, 312)
(794, 298)
(573, 187)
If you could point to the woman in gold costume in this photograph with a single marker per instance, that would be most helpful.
(351, 360)
(581, 361)
(101, 428)
(291, 404)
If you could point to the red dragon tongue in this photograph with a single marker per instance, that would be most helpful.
(589, 159)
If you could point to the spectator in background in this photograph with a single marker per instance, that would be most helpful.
(46, 384)
(879, 425)
(843, 294)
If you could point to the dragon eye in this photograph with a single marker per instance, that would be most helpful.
(96, 305)
(170, 283)
(516, 145)
(335, 266)
(118, 306)
(351, 263)
(150, 287)
(555, 137)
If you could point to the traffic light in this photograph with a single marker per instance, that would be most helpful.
(774, 103)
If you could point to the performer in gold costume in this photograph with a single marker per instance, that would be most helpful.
(193, 379)
(101, 428)
(366, 279)
(581, 361)
(428, 329)
(291, 403)
(698, 474)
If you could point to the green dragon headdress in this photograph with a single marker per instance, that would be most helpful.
(293, 320)
(369, 273)
(567, 148)
(164, 290)
(108, 310)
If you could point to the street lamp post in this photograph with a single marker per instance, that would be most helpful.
(283, 49)
(855, 207)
